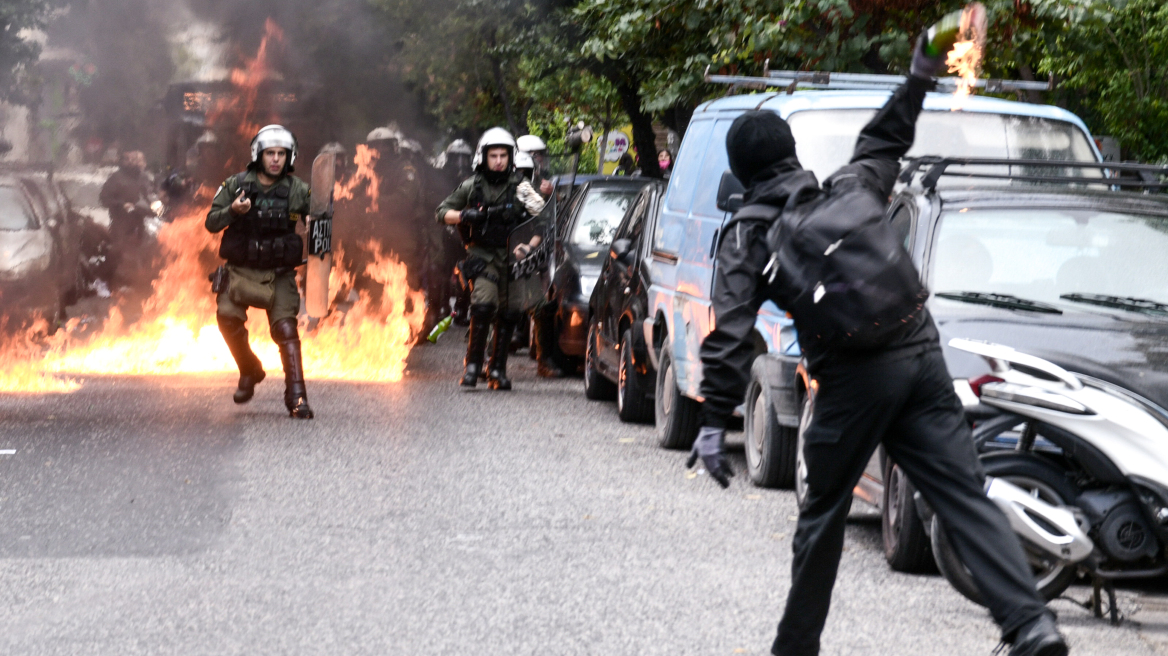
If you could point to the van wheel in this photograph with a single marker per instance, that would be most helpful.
(676, 414)
(632, 404)
(596, 386)
(906, 544)
(770, 448)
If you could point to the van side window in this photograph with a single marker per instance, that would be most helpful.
(902, 223)
(716, 163)
(683, 181)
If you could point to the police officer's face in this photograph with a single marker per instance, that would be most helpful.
(498, 159)
(273, 160)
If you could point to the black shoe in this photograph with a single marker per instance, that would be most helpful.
(547, 370)
(1039, 638)
(498, 380)
(470, 377)
(247, 383)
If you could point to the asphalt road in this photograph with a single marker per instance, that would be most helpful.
(152, 516)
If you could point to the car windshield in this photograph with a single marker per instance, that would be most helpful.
(1055, 256)
(824, 139)
(14, 214)
(600, 216)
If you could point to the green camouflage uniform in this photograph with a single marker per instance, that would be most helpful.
(287, 296)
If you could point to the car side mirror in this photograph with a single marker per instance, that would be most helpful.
(620, 249)
(730, 193)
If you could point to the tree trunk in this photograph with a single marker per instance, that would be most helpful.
(504, 97)
(643, 138)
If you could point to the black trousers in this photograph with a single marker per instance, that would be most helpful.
(906, 401)
(727, 352)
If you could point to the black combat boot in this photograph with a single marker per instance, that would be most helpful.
(295, 393)
(545, 335)
(476, 342)
(497, 378)
(251, 370)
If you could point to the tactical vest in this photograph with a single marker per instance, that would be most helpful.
(265, 237)
(502, 217)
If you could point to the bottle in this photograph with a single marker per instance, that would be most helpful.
(941, 36)
(442, 327)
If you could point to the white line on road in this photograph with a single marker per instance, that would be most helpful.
(7, 452)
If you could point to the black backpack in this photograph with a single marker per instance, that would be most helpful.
(839, 268)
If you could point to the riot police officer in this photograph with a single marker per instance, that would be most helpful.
(534, 146)
(485, 208)
(257, 210)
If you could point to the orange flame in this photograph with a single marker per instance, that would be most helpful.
(966, 56)
(365, 159)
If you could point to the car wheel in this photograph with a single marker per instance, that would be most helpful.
(632, 404)
(596, 386)
(1040, 479)
(906, 543)
(676, 414)
(770, 448)
(800, 461)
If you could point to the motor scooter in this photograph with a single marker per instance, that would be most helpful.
(1078, 465)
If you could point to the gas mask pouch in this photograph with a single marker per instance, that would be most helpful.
(251, 287)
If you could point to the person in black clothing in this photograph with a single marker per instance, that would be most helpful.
(900, 395)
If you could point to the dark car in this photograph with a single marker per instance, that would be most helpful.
(1074, 274)
(617, 360)
(584, 232)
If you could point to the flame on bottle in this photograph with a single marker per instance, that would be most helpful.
(965, 59)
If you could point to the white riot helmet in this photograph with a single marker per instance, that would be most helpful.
(493, 138)
(523, 161)
(388, 133)
(274, 136)
(529, 143)
(459, 147)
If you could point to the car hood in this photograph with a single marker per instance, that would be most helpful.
(1123, 348)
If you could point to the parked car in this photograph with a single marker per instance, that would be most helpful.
(1077, 276)
(616, 361)
(825, 125)
(584, 232)
(40, 270)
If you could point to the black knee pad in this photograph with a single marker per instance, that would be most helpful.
(284, 331)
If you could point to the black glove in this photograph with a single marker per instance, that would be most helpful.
(709, 447)
(472, 216)
(924, 66)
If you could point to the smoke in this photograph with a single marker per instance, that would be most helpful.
(336, 63)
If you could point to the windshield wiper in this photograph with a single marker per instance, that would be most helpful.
(1000, 300)
(1119, 302)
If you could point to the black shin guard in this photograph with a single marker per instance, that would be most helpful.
(476, 342)
(285, 335)
(497, 370)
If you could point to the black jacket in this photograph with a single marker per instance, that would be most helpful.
(869, 176)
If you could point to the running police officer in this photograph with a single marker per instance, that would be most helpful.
(257, 211)
(485, 208)
(899, 394)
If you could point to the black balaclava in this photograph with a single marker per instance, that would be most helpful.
(758, 141)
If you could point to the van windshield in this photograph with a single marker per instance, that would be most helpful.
(824, 139)
(14, 214)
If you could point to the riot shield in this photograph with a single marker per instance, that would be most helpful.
(528, 277)
(320, 236)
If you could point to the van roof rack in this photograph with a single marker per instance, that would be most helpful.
(792, 80)
(1142, 176)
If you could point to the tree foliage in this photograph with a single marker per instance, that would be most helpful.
(16, 49)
